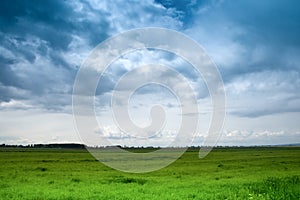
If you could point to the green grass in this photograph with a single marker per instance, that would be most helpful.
(233, 173)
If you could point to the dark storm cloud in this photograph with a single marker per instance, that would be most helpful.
(35, 36)
(243, 37)
(272, 26)
(52, 21)
(273, 22)
(49, 20)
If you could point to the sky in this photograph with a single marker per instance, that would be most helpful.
(254, 44)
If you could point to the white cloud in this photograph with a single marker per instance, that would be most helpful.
(36, 126)
(263, 137)
(15, 104)
(117, 137)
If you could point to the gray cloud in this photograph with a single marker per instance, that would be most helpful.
(244, 37)
(37, 39)
(253, 41)
(264, 93)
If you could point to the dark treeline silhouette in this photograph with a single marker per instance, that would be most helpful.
(82, 146)
(59, 146)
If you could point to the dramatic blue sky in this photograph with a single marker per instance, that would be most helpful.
(255, 44)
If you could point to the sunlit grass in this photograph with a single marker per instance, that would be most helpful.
(248, 173)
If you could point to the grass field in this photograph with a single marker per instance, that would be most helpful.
(232, 173)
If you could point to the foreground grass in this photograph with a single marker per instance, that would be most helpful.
(245, 173)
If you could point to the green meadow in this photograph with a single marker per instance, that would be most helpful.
(226, 173)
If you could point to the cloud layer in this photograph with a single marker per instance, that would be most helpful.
(256, 46)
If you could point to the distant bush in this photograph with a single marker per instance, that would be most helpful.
(42, 169)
